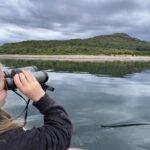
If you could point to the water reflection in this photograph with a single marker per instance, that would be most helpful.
(115, 69)
(93, 101)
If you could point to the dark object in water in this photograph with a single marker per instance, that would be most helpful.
(124, 124)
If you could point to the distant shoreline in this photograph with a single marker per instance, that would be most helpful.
(89, 58)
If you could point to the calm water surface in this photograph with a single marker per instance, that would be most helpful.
(108, 113)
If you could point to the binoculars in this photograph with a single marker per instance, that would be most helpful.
(41, 76)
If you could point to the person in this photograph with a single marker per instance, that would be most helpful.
(56, 132)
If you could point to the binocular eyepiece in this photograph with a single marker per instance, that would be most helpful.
(41, 76)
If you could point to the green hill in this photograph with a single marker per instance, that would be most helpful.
(117, 43)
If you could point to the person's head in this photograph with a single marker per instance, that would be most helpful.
(3, 92)
(6, 121)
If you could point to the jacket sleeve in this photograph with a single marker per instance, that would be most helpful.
(56, 132)
(57, 129)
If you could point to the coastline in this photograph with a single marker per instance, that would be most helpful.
(89, 58)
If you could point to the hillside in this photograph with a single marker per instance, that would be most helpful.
(117, 43)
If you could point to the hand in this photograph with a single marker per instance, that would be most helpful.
(28, 85)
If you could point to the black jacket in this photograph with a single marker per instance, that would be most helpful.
(55, 134)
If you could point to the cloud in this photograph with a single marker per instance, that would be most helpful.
(16, 33)
(65, 19)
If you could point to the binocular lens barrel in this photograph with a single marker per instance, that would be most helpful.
(41, 76)
(8, 73)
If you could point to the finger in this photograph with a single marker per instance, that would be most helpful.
(23, 79)
(28, 76)
(32, 76)
(17, 81)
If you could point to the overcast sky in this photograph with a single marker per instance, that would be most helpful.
(67, 19)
